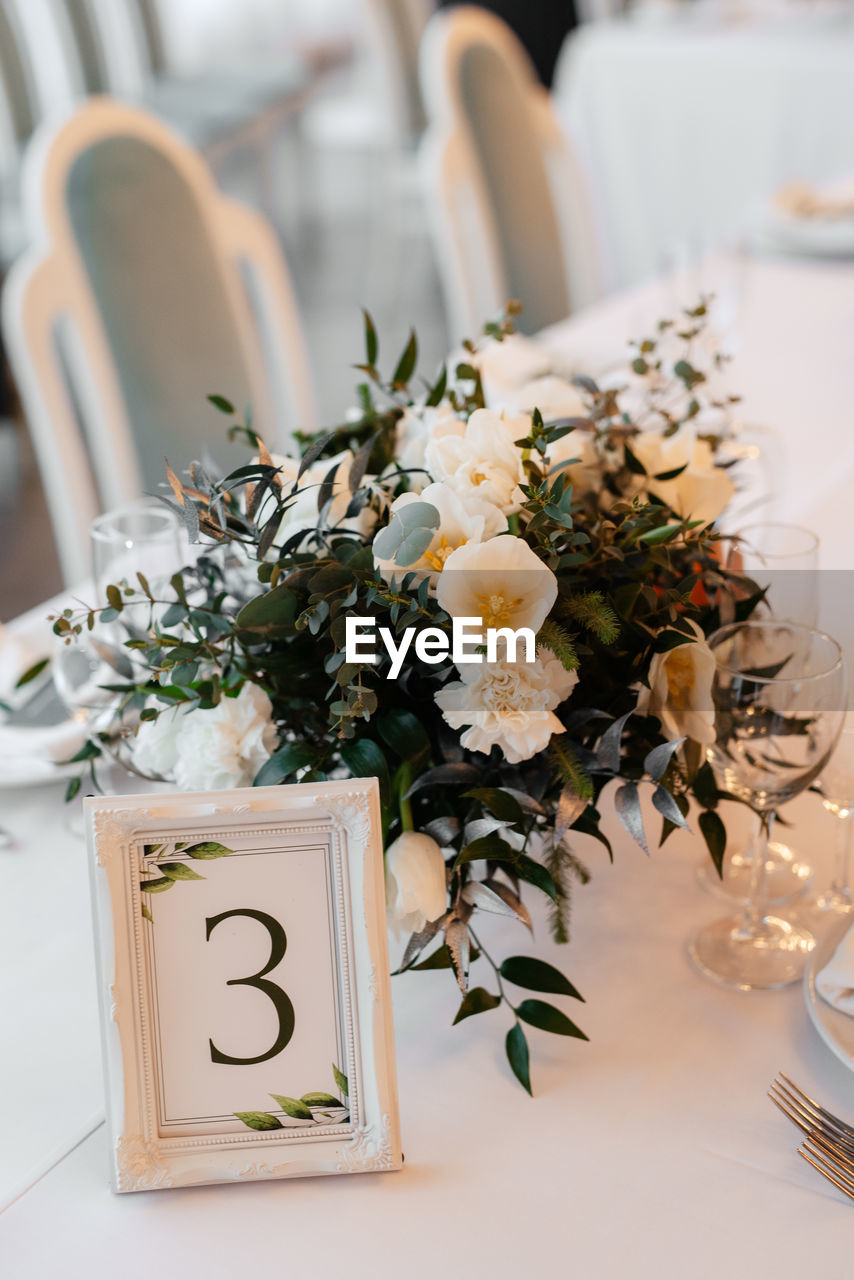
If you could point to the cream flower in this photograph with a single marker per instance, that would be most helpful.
(209, 750)
(508, 365)
(415, 883)
(702, 491)
(680, 690)
(509, 705)
(303, 512)
(553, 396)
(460, 524)
(479, 458)
(416, 428)
(502, 582)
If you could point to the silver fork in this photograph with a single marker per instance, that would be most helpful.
(829, 1144)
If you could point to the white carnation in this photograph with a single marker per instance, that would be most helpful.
(209, 750)
(509, 705)
(480, 459)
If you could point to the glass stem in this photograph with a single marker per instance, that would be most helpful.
(755, 907)
(839, 885)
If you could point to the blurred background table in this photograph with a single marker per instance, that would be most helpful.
(690, 116)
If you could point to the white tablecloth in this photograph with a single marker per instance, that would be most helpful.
(687, 126)
(652, 1151)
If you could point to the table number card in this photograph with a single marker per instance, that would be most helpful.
(246, 1004)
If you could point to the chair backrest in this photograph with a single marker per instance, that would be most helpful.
(84, 38)
(507, 196)
(151, 31)
(18, 103)
(396, 28)
(146, 290)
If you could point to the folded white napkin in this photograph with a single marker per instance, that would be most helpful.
(835, 982)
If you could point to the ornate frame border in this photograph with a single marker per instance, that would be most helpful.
(346, 814)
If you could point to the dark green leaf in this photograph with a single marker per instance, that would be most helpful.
(406, 364)
(224, 406)
(404, 733)
(284, 763)
(497, 801)
(372, 345)
(365, 759)
(478, 1000)
(536, 975)
(536, 874)
(714, 834)
(313, 452)
(31, 672)
(517, 1055)
(537, 1013)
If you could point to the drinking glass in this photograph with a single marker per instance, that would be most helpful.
(779, 701)
(837, 793)
(141, 537)
(783, 558)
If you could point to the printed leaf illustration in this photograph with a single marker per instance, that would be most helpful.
(292, 1106)
(208, 849)
(178, 871)
(340, 1080)
(258, 1119)
(156, 886)
(320, 1100)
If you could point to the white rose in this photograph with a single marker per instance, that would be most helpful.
(209, 750)
(416, 428)
(680, 690)
(461, 523)
(702, 490)
(479, 459)
(508, 704)
(415, 882)
(502, 582)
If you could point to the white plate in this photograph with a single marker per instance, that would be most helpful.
(836, 1029)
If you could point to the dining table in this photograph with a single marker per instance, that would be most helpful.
(649, 1150)
(689, 117)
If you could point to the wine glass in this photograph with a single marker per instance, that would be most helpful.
(837, 793)
(782, 559)
(779, 701)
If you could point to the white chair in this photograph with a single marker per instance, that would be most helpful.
(506, 195)
(145, 291)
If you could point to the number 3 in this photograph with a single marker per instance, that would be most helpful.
(284, 1008)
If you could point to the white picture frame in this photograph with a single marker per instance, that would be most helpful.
(302, 880)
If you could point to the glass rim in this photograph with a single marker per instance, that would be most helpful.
(801, 627)
(104, 529)
(811, 538)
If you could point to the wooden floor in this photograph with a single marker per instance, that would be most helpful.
(341, 260)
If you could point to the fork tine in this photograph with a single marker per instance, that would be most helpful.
(816, 1106)
(818, 1162)
(835, 1154)
(786, 1110)
(818, 1119)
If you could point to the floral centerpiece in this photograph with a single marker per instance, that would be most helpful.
(328, 628)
